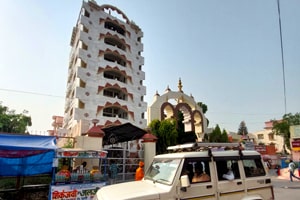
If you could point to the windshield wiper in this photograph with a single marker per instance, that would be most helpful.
(159, 180)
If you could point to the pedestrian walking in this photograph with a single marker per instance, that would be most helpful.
(113, 172)
(292, 167)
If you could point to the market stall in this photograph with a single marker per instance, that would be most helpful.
(25, 165)
(78, 183)
(26, 155)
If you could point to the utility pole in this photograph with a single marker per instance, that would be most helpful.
(282, 57)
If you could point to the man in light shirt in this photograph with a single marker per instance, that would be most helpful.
(292, 167)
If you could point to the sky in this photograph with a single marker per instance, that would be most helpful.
(227, 54)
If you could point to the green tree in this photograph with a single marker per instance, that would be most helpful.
(180, 128)
(203, 106)
(69, 143)
(11, 122)
(206, 137)
(217, 136)
(292, 119)
(166, 134)
(243, 130)
(224, 136)
(282, 128)
(204, 109)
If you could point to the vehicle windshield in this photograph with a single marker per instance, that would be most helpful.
(163, 170)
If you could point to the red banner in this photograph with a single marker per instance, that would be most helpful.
(19, 153)
(295, 144)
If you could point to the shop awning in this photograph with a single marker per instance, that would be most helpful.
(22, 155)
(122, 133)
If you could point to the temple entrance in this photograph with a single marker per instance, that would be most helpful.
(171, 103)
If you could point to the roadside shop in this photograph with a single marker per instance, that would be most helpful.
(25, 165)
(77, 182)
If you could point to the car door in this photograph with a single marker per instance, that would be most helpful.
(199, 173)
(230, 185)
(256, 180)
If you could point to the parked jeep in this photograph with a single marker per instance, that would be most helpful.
(199, 170)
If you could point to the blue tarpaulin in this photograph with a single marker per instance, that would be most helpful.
(25, 155)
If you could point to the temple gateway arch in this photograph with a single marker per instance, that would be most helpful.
(168, 105)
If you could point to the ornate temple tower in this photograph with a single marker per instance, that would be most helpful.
(105, 76)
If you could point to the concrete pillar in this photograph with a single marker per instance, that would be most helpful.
(92, 140)
(149, 141)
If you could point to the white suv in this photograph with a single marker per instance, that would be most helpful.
(198, 174)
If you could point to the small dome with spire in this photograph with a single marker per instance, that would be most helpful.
(168, 89)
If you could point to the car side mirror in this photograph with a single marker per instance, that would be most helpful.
(185, 182)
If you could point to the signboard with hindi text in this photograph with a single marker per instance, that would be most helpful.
(296, 145)
(74, 191)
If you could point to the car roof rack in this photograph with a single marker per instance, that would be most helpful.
(204, 146)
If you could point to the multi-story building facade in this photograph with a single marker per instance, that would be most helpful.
(268, 137)
(57, 126)
(105, 76)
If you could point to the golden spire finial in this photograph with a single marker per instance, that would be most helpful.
(180, 85)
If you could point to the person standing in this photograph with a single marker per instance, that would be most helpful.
(292, 167)
(139, 173)
(113, 171)
(81, 168)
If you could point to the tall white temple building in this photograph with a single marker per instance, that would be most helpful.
(105, 75)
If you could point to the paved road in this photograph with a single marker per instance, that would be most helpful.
(286, 190)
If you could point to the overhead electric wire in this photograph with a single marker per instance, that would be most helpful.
(34, 93)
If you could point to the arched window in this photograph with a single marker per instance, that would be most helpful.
(114, 27)
(111, 57)
(115, 75)
(115, 93)
(115, 42)
(115, 112)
